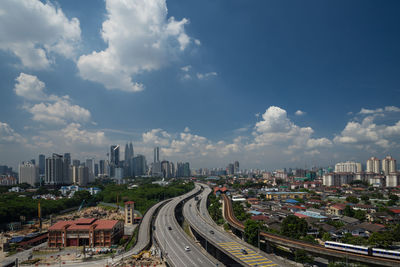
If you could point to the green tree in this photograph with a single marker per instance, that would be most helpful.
(352, 199)
(302, 256)
(348, 211)
(365, 198)
(251, 231)
(383, 240)
(293, 226)
(326, 237)
(359, 214)
(395, 198)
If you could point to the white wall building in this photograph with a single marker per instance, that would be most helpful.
(374, 165)
(28, 173)
(389, 165)
(348, 166)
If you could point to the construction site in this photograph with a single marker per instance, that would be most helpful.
(32, 238)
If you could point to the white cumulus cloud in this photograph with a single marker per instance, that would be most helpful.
(299, 113)
(8, 135)
(202, 76)
(52, 109)
(140, 38)
(33, 31)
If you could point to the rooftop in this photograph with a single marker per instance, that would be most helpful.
(84, 224)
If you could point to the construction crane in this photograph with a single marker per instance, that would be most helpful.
(81, 206)
(40, 216)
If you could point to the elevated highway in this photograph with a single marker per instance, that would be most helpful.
(219, 243)
(311, 248)
(172, 240)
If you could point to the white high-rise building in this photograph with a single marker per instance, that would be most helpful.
(374, 165)
(348, 166)
(28, 173)
(389, 165)
(393, 180)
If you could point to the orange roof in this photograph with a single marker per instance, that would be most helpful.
(85, 221)
(60, 225)
(84, 224)
(129, 202)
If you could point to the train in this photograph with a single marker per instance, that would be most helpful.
(377, 252)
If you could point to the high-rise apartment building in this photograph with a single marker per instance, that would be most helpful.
(83, 175)
(28, 173)
(373, 165)
(54, 169)
(389, 165)
(348, 166)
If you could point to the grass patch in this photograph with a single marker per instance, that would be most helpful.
(133, 239)
(186, 228)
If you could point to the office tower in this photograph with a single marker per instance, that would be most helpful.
(127, 154)
(67, 163)
(114, 155)
(28, 173)
(96, 169)
(33, 161)
(128, 163)
(389, 165)
(186, 169)
(348, 166)
(131, 150)
(236, 167)
(373, 165)
(90, 166)
(230, 169)
(75, 174)
(54, 169)
(139, 165)
(165, 169)
(42, 163)
(76, 162)
(172, 168)
(102, 165)
(83, 175)
(156, 154)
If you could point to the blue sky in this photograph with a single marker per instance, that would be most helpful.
(269, 83)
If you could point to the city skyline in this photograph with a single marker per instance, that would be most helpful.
(275, 86)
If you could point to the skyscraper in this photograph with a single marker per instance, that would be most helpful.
(102, 165)
(156, 154)
(28, 173)
(128, 163)
(114, 155)
(54, 169)
(42, 164)
(139, 165)
(236, 167)
(67, 163)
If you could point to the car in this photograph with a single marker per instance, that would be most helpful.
(211, 232)
(243, 251)
(169, 228)
(187, 248)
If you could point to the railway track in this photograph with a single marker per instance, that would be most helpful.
(232, 220)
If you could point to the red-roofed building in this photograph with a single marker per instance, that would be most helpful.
(221, 190)
(85, 231)
(336, 209)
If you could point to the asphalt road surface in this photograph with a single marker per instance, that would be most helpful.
(173, 240)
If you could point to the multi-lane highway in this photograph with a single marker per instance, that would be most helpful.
(204, 225)
(178, 248)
